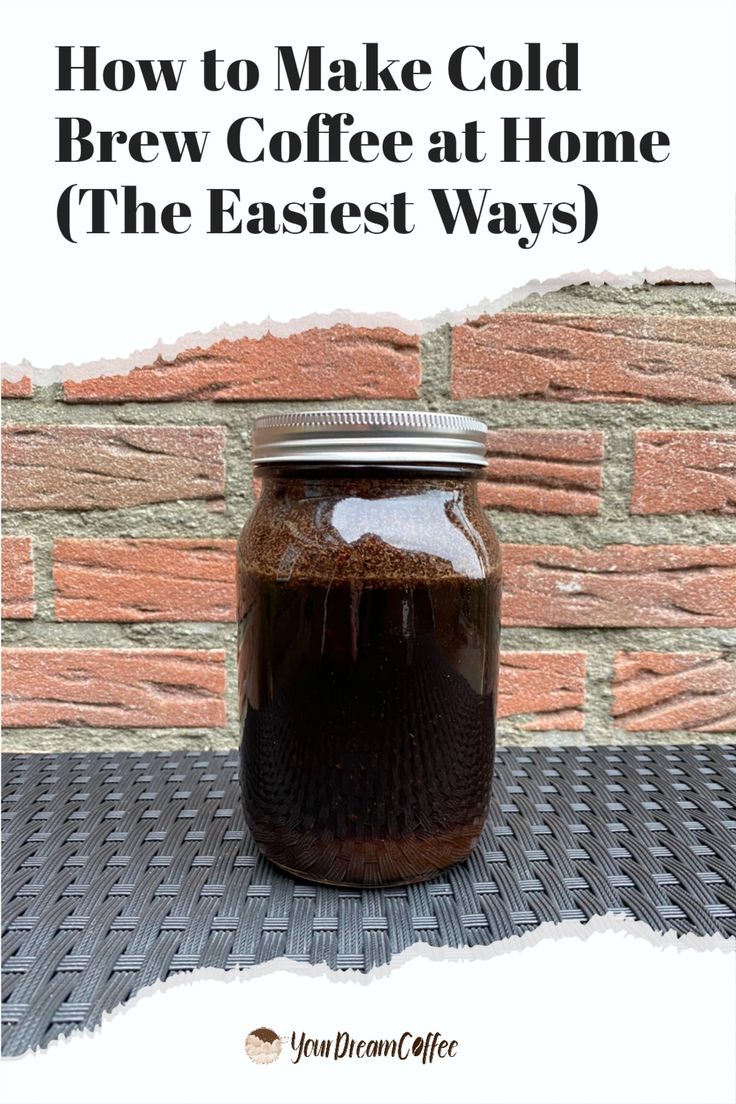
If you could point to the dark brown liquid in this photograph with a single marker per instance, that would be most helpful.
(368, 732)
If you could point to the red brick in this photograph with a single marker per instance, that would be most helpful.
(144, 580)
(622, 586)
(549, 687)
(681, 473)
(17, 577)
(17, 389)
(543, 471)
(335, 363)
(46, 687)
(660, 691)
(87, 467)
(584, 358)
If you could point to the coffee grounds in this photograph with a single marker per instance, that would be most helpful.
(292, 537)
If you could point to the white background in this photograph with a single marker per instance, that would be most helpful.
(601, 1016)
(643, 65)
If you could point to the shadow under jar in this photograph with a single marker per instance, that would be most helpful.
(369, 588)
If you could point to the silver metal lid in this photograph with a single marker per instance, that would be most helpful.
(369, 437)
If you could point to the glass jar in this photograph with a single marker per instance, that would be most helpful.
(369, 587)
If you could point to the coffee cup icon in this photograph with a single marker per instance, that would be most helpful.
(262, 1045)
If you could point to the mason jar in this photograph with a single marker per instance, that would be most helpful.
(369, 586)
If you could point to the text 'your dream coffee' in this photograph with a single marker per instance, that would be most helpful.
(369, 588)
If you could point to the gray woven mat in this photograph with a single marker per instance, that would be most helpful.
(120, 869)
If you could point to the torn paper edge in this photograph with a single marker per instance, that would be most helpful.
(168, 351)
(568, 929)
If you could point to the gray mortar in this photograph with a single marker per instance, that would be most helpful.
(641, 298)
(611, 526)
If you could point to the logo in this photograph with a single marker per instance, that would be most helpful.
(426, 1048)
(262, 1046)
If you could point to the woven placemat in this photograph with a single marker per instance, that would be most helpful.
(120, 869)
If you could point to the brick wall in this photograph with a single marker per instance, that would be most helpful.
(611, 481)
